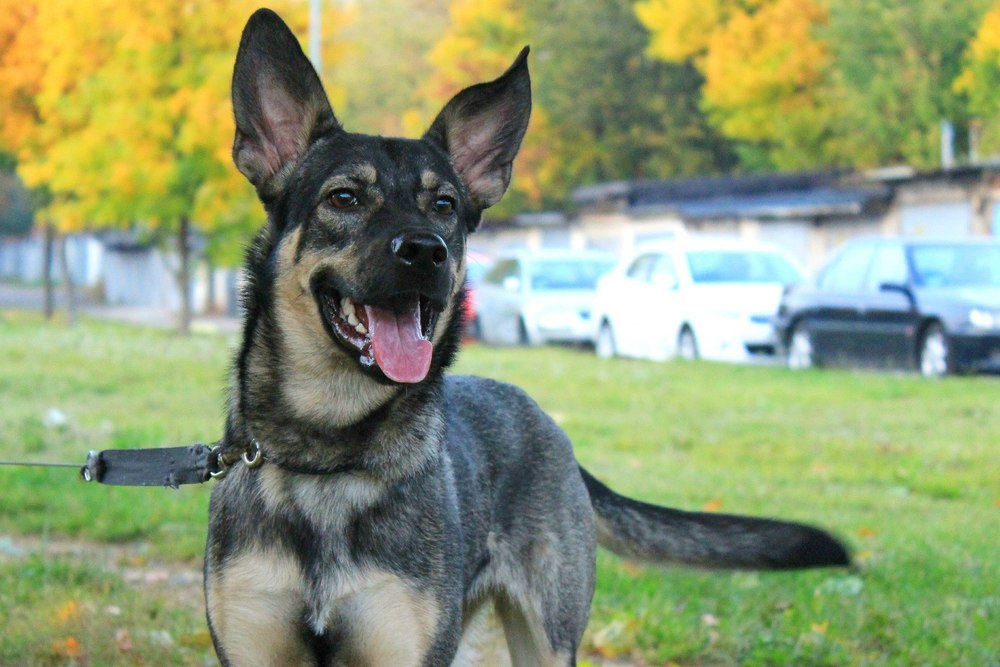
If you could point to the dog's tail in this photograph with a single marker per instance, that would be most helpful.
(662, 535)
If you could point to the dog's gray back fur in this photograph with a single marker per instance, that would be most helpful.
(388, 511)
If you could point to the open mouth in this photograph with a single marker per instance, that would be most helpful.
(394, 339)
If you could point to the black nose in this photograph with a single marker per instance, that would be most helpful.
(420, 250)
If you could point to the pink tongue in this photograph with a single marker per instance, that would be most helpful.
(400, 351)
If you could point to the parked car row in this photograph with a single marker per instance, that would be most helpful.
(932, 305)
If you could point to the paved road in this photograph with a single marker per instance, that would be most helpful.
(24, 297)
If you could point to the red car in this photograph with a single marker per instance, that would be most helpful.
(477, 265)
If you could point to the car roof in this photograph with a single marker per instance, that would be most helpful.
(928, 240)
(705, 243)
(534, 255)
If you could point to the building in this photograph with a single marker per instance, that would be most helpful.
(809, 214)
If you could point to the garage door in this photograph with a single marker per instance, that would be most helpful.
(939, 219)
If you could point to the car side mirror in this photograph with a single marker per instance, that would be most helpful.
(511, 283)
(899, 288)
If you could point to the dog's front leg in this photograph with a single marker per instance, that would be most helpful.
(256, 611)
(390, 623)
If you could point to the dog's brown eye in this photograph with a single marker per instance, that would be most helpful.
(343, 198)
(444, 205)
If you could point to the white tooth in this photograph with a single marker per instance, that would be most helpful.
(353, 320)
(347, 306)
(360, 328)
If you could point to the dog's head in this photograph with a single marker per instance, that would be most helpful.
(365, 245)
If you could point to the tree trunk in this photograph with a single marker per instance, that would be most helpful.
(184, 276)
(48, 306)
(67, 277)
(212, 297)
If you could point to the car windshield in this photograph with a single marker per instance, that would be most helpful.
(740, 266)
(958, 265)
(568, 273)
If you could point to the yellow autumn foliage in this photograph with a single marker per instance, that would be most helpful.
(762, 69)
(120, 109)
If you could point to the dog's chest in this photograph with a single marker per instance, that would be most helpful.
(327, 554)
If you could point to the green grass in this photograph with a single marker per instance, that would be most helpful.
(907, 470)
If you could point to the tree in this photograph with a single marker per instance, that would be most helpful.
(893, 74)
(131, 123)
(805, 83)
(615, 112)
(16, 211)
(980, 78)
(763, 67)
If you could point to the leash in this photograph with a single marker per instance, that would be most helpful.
(174, 466)
(164, 466)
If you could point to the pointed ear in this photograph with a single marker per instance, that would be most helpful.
(278, 101)
(481, 129)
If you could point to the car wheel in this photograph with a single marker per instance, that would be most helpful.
(523, 338)
(800, 349)
(687, 345)
(934, 352)
(605, 346)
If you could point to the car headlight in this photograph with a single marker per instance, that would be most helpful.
(984, 319)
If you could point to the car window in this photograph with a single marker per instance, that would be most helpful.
(740, 266)
(889, 266)
(566, 274)
(958, 265)
(664, 268)
(503, 270)
(641, 268)
(846, 273)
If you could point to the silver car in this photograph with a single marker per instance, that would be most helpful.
(532, 298)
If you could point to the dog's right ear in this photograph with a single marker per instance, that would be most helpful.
(278, 101)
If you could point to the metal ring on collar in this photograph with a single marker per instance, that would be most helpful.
(257, 459)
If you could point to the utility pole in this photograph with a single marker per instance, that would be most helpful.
(315, 34)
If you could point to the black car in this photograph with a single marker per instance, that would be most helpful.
(932, 305)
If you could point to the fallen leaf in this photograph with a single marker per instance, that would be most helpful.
(67, 648)
(631, 569)
(68, 612)
(820, 628)
(709, 621)
(713, 505)
(997, 502)
(865, 532)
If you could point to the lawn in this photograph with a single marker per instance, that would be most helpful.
(906, 470)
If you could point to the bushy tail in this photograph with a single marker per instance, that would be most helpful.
(656, 534)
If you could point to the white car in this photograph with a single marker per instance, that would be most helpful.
(693, 298)
(540, 297)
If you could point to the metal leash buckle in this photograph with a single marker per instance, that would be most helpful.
(221, 463)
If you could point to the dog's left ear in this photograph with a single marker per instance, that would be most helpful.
(481, 128)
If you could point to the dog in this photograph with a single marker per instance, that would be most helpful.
(381, 503)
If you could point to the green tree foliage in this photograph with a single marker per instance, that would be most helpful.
(615, 112)
(804, 83)
(893, 74)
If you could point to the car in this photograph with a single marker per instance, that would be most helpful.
(477, 265)
(693, 297)
(537, 297)
(924, 304)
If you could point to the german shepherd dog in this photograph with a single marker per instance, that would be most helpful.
(394, 501)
